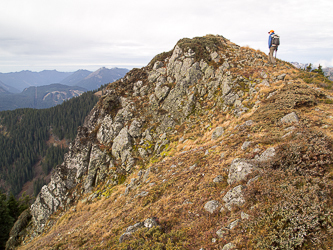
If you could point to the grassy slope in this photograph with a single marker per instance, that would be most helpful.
(292, 196)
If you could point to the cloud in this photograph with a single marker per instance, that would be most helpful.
(324, 63)
(131, 32)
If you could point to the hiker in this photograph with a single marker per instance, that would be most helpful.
(273, 46)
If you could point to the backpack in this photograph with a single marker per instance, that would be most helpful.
(275, 40)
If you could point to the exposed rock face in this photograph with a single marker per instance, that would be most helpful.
(122, 145)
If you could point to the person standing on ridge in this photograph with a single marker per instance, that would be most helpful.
(273, 46)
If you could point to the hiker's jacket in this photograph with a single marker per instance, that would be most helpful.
(270, 40)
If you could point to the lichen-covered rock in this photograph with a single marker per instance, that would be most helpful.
(45, 204)
(238, 170)
(218, 132)
(129, 231)
(268, 154)
(246, 144)
(228, 246)
(150, 222)
(226, 85)
(221, 233)
(161, 91)
(244, 216)
(105, 133)
(233, 224)
(135, 128)
(234, 197)
(122, 145)
(290, 118)
(97, 169)
(218, 179)
(136, 88)
(211, 206)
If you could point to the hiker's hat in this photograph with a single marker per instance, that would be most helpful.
(271, 31)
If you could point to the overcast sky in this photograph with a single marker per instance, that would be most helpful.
(68, 35)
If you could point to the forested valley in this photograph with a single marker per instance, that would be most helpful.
(24, 134)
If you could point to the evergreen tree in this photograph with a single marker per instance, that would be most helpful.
(319, 70)
(6, 221)
(13, 206)
(309, 68)
(24, 202)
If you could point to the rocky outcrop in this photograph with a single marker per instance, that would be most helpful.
(133, 120)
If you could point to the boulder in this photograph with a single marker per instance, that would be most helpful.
(221, 233)
(234, 197)
(218, 179)
(215, 57)
(233, 224)
(150, 222)
(218, 132)
(238, 170)
(290, 118)
(244, 216)
(268, 154)
(246, 144)
(211, 206)
(229, 246)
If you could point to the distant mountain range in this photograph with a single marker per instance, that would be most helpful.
(24, 79)
(100, 77)
(48, 88)
(76, 77)
(16, 82)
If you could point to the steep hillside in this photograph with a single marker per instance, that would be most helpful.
(31, 141)
(208, 147)
(5, 89)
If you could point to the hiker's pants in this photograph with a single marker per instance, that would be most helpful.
(271, 58)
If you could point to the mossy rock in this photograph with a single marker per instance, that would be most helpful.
(21, 223)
